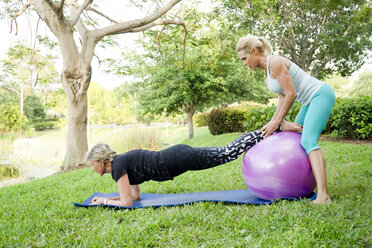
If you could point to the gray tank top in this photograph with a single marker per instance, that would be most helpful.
(305, 85)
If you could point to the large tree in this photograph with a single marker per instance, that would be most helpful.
(78, 34)
(322, 37)
(186, 74)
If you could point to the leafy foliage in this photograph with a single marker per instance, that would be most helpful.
(7, 171)
(352, 118)
(43, 125)
(23, 69)
(189, 73)
(258, 117)
(27, 66)
(7, 96)
(201, 119)
(292, 113)
(244, 118)
(322, 37)
(108, 107)
(34, 109)
(11, 119)
(226, 120)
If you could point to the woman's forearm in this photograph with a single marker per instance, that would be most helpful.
(278, 107)
(123, 203)
(136, 192)
(113, 198)
(285, 106)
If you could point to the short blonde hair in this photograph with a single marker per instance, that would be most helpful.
(247, 43)
(100, 151)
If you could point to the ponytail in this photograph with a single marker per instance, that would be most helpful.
(247, 43)
(267, 50)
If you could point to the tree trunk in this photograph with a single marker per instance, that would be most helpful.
(77, 117)
(76, 145)
(190, 113)
(191, 125)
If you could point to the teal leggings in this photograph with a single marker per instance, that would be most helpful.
(314, 117)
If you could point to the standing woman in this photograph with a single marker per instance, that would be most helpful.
(292, 83)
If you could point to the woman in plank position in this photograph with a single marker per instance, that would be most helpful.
(292, 83)
(137, 166)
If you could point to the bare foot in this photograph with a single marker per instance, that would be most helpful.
(322, 200)
(290, 126)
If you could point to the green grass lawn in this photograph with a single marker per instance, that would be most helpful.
(40, 213)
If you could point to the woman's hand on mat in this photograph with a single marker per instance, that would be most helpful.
(97, 200)
(269, 128)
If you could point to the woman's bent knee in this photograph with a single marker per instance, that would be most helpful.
(309, 145)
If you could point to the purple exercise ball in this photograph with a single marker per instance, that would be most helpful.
(278, 167)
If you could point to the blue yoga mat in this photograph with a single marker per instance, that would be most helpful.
(170, 200)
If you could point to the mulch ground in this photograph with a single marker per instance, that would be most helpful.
(344, 140)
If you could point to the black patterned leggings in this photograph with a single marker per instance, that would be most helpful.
(182, 158)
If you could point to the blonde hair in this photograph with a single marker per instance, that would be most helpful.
(100, 151)
(247, 43)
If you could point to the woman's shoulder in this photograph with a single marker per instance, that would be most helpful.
(277, 61)
(127, 154)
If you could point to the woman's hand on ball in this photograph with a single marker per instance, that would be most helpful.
(269, 128)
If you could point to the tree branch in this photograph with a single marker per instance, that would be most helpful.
(325, 5)
(74, 8)
(11, 89)
(22, 10)
(91, 21)
(133, 25)
(53, 7)
(155, 23)
(158, 41)
(81, 8)
(184, 45)
(61, 5)
(101, 14)
(36, 80)
(14, 17)
(315, 72)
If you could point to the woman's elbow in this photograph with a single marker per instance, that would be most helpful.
(136, 197)
(126, 203)
(292, 95)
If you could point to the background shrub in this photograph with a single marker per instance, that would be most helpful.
(201, 119)
(42, 125)
(260, 116)
(11, 119)
(34, 109)
(352, 118)
(292, 113)
(7, 171)
(226, 120)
